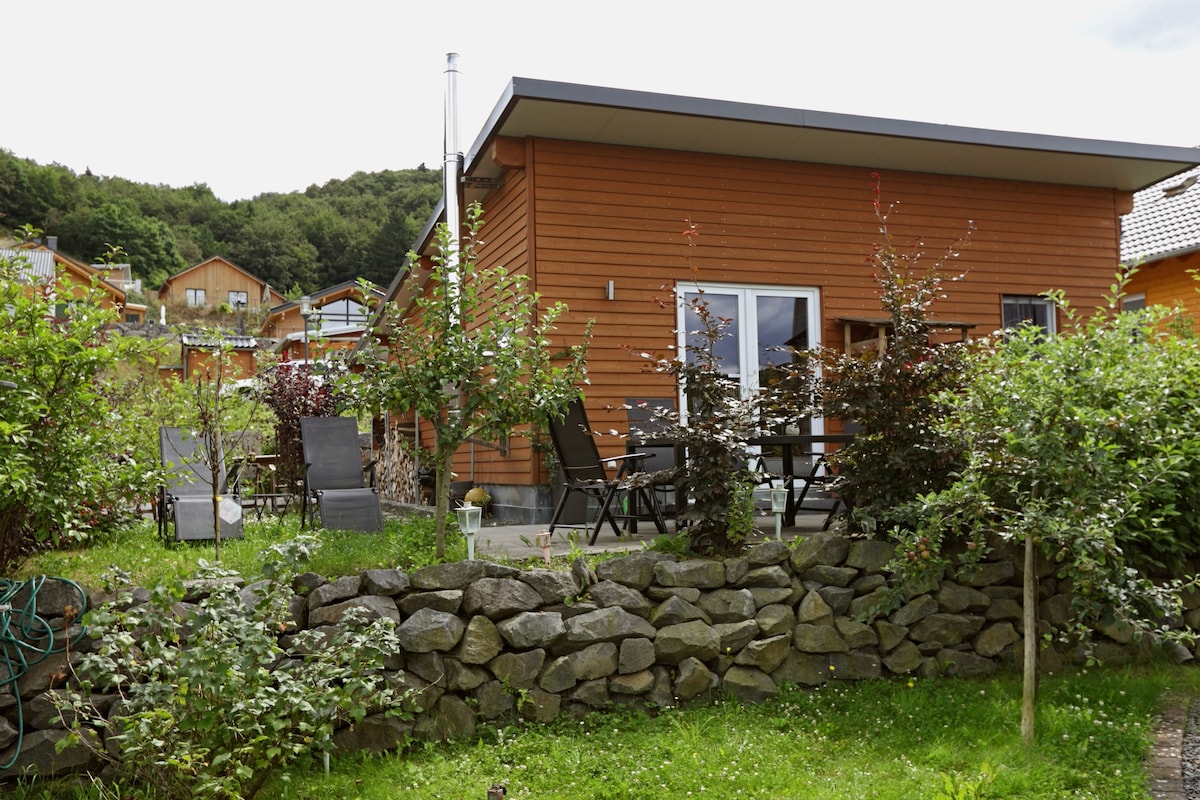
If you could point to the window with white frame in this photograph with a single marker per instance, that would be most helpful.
(195, 297)
(238, 298)
(1020, 309)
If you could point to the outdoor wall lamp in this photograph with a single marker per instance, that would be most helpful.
(779, 495)
(306, 311)
(469, 517)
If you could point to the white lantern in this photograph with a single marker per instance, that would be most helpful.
(779, 496)
(469, 517)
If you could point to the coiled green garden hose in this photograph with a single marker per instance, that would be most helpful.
(26, 638)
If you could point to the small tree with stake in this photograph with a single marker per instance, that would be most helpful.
(472, 357)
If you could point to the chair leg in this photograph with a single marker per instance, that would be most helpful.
(605, 514)
(832, 512)
(660, 524)
(560, 506)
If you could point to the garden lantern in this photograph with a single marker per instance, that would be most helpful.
(469, 517)
(779, 495)
(306, 311)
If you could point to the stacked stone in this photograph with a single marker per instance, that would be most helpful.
(482, 641)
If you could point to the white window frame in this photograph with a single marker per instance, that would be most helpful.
(235, 297)
(191, 295)
(746, 295)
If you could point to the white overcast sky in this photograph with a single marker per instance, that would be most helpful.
(261, 96)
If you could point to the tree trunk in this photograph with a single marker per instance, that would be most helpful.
(1030, 621)
(215, 462)
(441, 501)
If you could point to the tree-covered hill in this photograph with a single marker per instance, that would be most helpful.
(360, 227)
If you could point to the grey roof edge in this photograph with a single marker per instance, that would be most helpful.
(556, 91)
(1145, 259)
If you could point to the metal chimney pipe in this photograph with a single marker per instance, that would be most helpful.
(451, 180)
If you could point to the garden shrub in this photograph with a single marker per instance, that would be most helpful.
(211, 703)
(66, 468)
(895, 397)
(1086, 442)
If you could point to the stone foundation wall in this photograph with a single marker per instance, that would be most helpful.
(483, 642)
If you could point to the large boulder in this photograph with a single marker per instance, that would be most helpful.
(727, 605)
(820, 548)
(749, 684)
(695, 573)
(480, 643)
(606, 593)
(374, 606)
(635, 571)
(454, 575)
(429, 630)
(497, 598)
(606, 625)
(448, 600)
(531, 629)
(675, 643)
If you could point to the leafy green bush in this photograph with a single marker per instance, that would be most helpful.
(1087, 443)
(211, 703)
(65, 466)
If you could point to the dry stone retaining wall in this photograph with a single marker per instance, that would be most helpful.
(483, 641)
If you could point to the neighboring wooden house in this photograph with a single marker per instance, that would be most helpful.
(595, 193)
(1161, 236)
(217, 280)
(338, 316)
(45, 265)
(196, 358)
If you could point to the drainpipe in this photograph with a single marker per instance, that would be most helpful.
(451, 180)
(451, 184)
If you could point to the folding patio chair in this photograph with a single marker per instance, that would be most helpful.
(335, 488)
(185, 500)
(587, 472)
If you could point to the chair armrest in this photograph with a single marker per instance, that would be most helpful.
(630, 462)
(626, 457)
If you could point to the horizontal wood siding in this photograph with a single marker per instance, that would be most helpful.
(618, 213)
(217, 278)
(1169, 283)
(505, 237)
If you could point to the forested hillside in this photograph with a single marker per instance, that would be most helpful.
(360, 227)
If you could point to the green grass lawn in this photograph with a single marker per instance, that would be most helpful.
(893, 739)
(406, 542)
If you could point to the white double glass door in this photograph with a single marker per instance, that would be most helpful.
(762, 323)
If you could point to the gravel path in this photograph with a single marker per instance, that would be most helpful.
(1174, 766)
(1189, 753)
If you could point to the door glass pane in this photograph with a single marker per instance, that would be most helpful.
(781, 322)
(726, 349)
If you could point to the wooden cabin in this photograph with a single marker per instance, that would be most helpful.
(338, 315)
(44, 265)
(614, 200)
(1161, 237)
(215, 281)
(196, 358)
